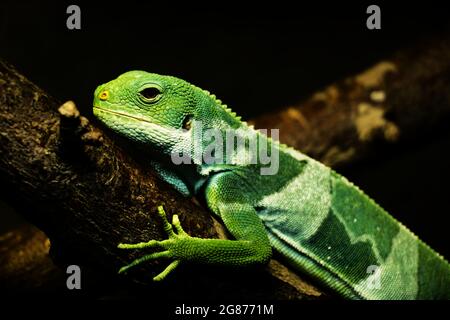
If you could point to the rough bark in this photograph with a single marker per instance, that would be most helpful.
(88, 195)
(25, 263)
(73, 182)
(398, 99)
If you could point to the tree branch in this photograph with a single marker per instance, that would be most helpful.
(88, 195)
(397, 100)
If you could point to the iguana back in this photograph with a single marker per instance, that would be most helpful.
(328, 228)
(319, 222)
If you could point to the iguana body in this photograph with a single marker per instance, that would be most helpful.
(322, 224)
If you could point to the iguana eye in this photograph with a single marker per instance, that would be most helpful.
(150, 94)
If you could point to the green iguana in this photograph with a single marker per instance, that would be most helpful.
(322, 224)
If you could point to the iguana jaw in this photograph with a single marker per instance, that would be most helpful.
(139, 128)
(121, 114)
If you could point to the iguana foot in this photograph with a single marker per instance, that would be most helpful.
(166, 245)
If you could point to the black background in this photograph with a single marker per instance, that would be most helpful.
(256, 57)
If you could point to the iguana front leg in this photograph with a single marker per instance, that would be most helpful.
(249, 247)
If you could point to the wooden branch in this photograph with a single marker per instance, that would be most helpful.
(25, 264)
(74, 183)
(396, 100)
(88, 195)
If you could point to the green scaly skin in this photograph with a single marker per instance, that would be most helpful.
(321, 223)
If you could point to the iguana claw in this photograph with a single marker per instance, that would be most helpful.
(167, 254)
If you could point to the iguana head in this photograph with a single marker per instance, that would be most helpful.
(157, 110)
(146, 107)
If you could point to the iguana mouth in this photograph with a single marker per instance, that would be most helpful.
(121, 114)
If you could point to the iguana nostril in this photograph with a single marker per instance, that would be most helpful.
(103, 95)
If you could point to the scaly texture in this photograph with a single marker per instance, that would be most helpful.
(321, 223)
